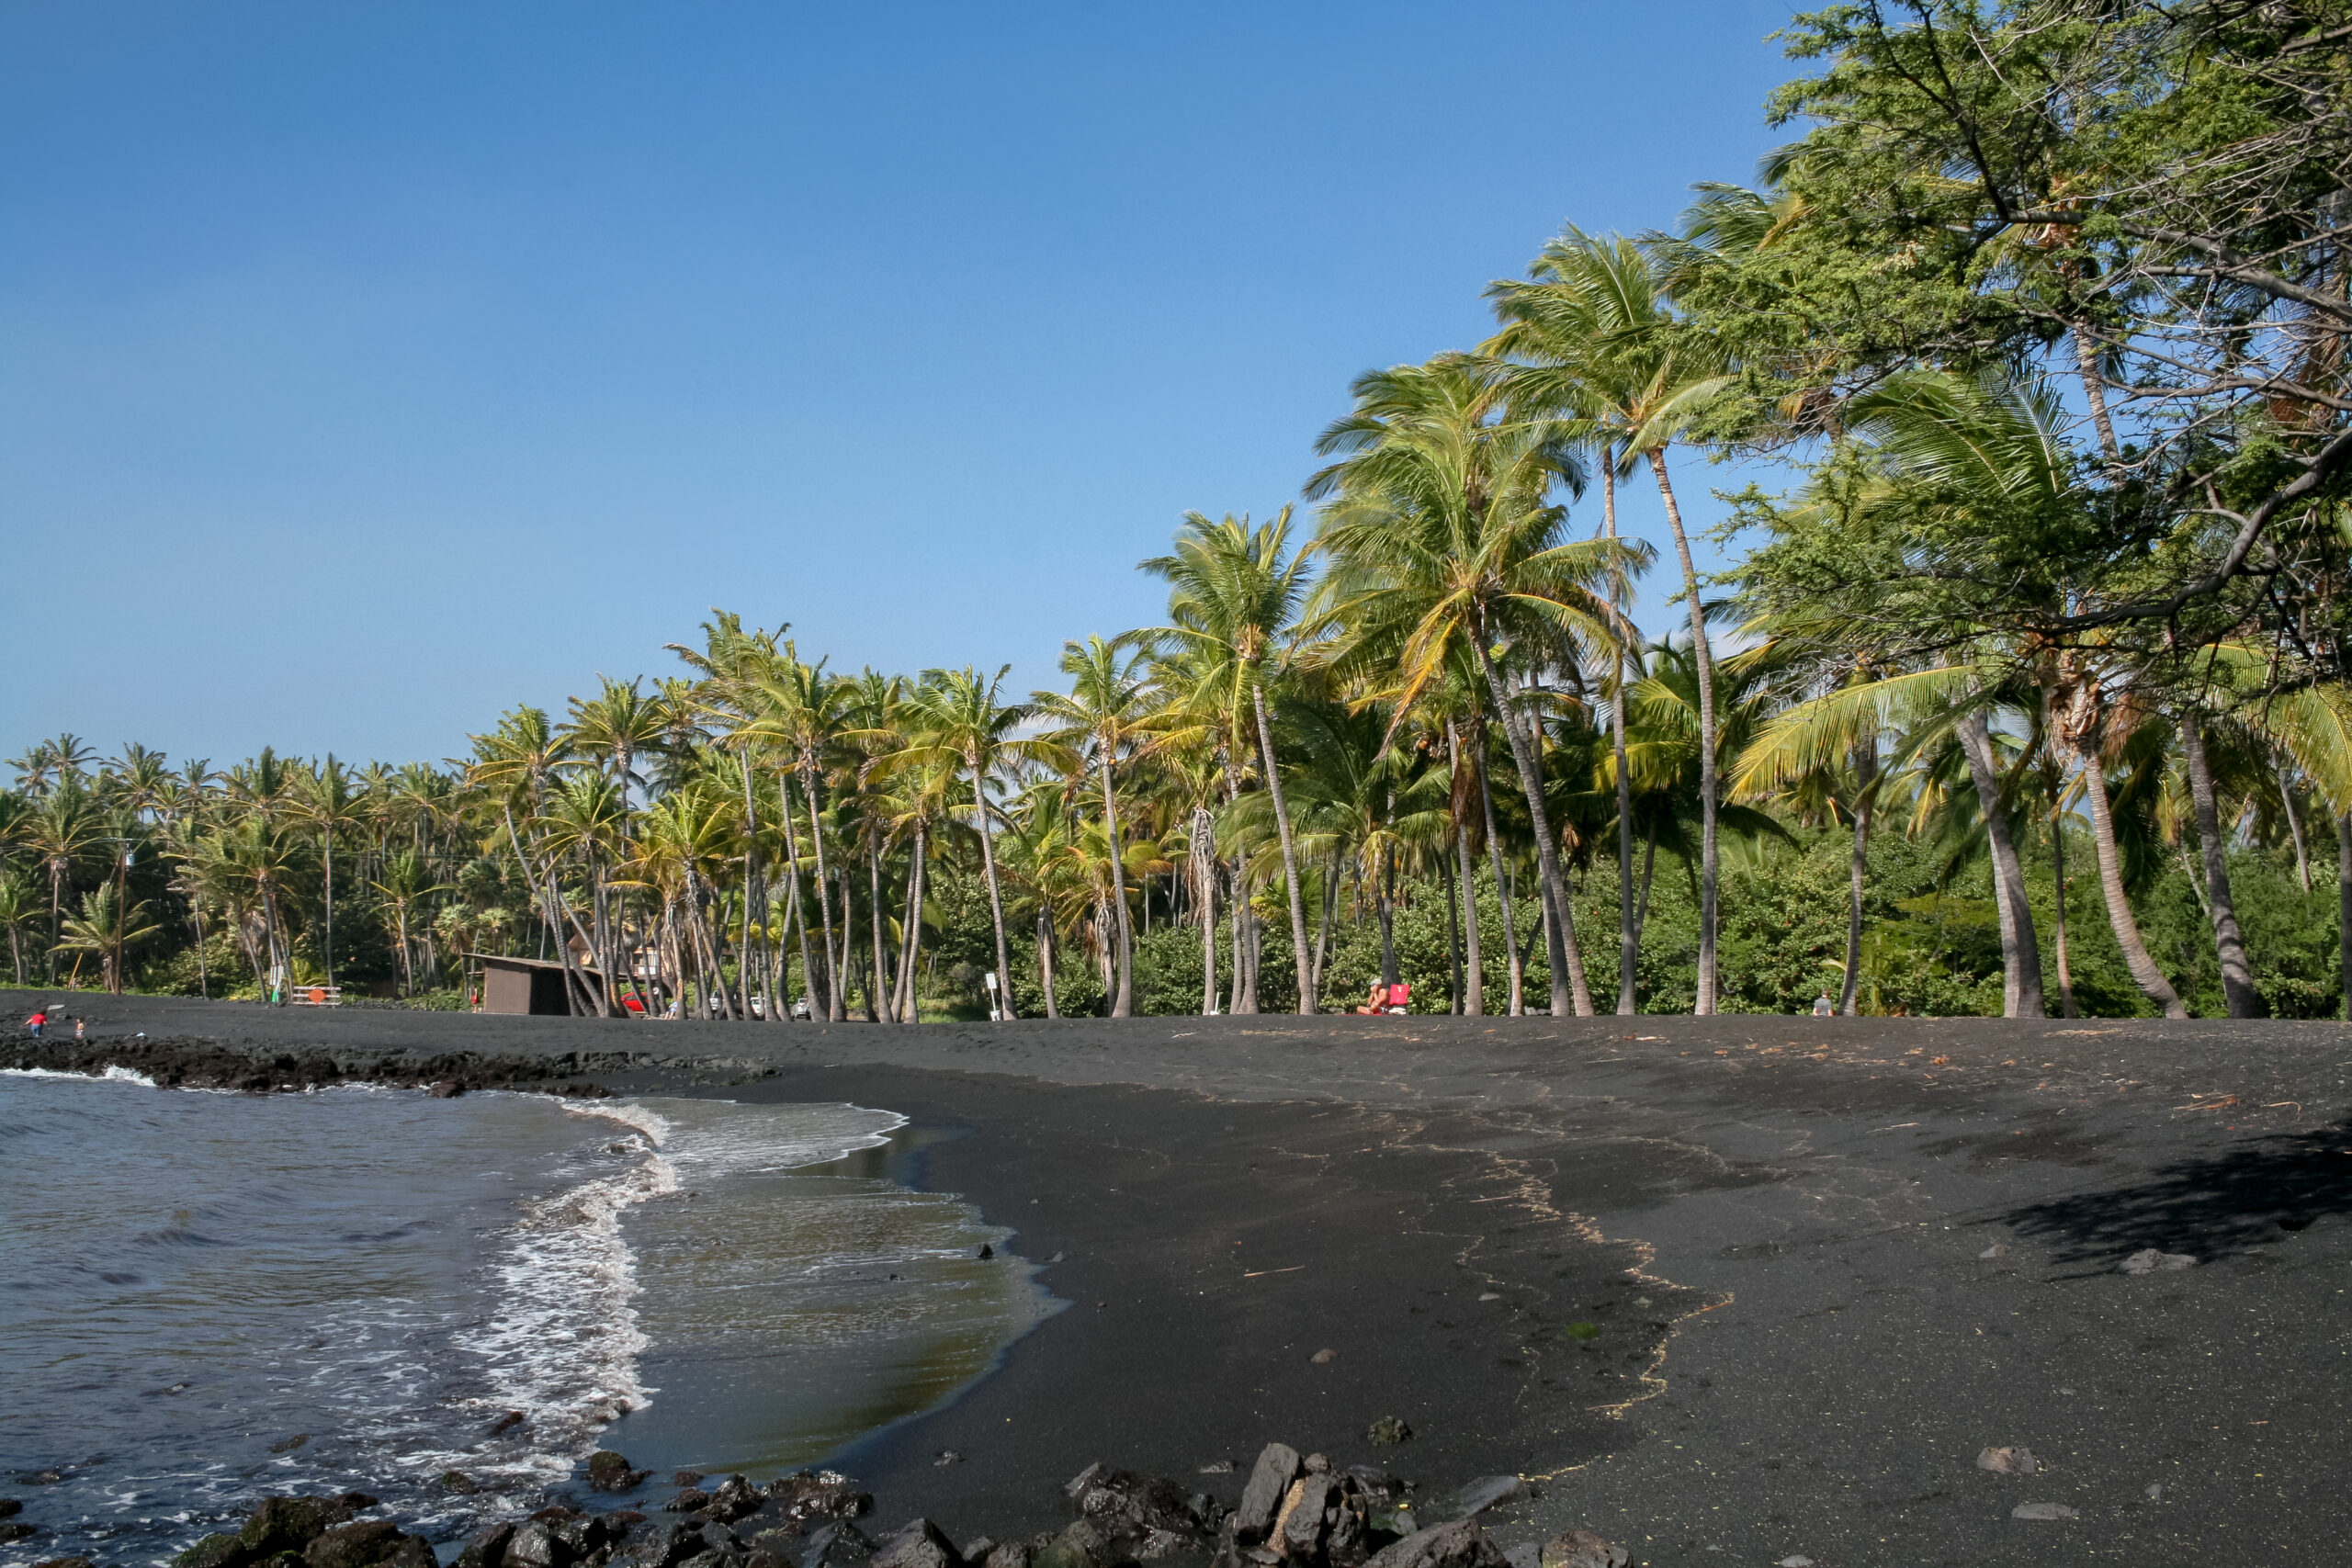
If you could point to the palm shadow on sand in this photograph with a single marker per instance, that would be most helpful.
(2261, 1190)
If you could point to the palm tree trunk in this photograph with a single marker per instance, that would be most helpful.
(2058, 915)
(2020, 952)
(1123, 1004)
(909, 1005)
(327, 845)
(1628, 937)
(883, 990)
(996, 897)
(1473, 990)
(1703, 655)
(1203, 861)
(2229, 944)
(1046, 961)
(1452, 936)
(746, 968)
(1517, 1004)
(1244, 987)
(1323, 933)
(2151, 979)
(834, 1009)
(1299, 950)
(1384, 903)
(1865, 775)
(794, 915)
(2295, 826)
(1567, 982)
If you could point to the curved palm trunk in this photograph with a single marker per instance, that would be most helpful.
(327, 846)
(1709, 877)
(910, 944)
(1865, 773)
(2149, 978)
(1628, 932)
(1300, 954)
(2295, 828)
(996, 897)
(1123, 1003)
(2020, 952)
(1559, 940)
(2229, 945)
(1474, 988)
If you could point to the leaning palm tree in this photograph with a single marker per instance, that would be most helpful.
(1108, 705)
(1234, 592)
(1594, 338)
(955, 714)
(19, 907)
(1442, 536)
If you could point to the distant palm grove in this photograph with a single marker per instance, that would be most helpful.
(2026, 695)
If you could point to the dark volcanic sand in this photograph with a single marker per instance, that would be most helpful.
(1803, 1202)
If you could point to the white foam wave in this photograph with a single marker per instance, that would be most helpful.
(562, 1348)
(112, 1075)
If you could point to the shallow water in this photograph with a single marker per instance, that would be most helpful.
(205, 1297)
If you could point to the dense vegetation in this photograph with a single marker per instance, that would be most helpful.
(2028, 694)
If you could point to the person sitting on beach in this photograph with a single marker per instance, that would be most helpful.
(1379, 1002)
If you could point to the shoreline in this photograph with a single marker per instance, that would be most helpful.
(1832, 1351)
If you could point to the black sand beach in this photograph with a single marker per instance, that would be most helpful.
(1828, 1261)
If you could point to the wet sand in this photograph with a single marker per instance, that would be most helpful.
(1777, 1227)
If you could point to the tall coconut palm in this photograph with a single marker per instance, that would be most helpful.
(956, 714)
(1443, 537)
(1593, 334)
(326, 801)
(1233, 593)
(1109, 705)
(63, 833)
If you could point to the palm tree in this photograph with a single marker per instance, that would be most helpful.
(802, 712)
(405, 885)
(324, 798)
(109, 927)
(955, 714)
(1596, 339)
(1234, 592)
(1109, 703)
(19, 907)
(63, 833)
(1442, 536)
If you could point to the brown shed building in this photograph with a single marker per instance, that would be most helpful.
(522, 985)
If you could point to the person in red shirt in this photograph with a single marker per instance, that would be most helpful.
(39, 1021)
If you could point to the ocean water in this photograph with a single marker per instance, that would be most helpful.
(206, 1298)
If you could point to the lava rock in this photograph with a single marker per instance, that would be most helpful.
(1012, 1554)
(216, 1551)
(735, 1498)
(1125, 1506)
(1487, 1491)
(816, 1495)
(2007, 1462)
(609, 1471)
(690, 1500)
(534, 1545)
(920, 1544)
(362, 1544)
(487, 1547)
(2151, 1260)
(11, 1506)
(447, 1088)
(1461, 1544)
(1270, 1480)
(1079, 1546)
(458, 1482)
(1388, 1431)
(1582, 1549)
(834, 1542)
(1298, 1529)
(2044, 1511)
(291, 1524)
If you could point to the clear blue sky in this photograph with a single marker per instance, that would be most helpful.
(368, 368)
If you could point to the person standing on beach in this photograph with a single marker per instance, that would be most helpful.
(1823, 1007)
(39, 1021)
